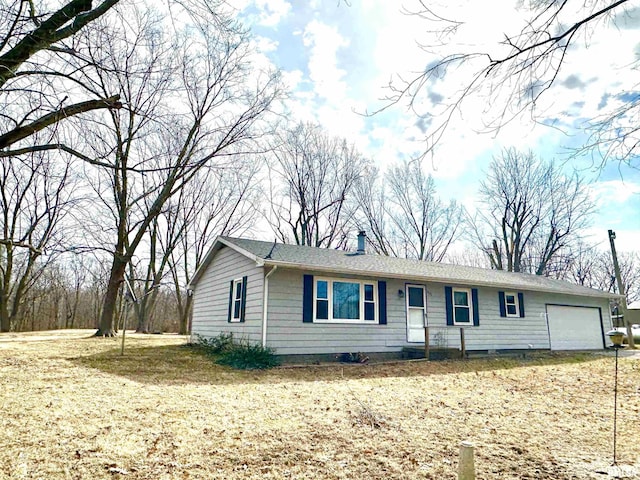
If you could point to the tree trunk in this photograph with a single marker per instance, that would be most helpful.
(147, 308)
(142, 326)
(106, 328)
(5, 321)
(186, 316)
(143, 317)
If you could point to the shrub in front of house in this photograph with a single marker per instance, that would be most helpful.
(214, 346)
(249, 356)
(240, 354)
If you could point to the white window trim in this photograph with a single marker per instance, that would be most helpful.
(236, 282)
(329, 298)
(470, 306)
(517, 304)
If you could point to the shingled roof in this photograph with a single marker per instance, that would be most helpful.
(340, 261)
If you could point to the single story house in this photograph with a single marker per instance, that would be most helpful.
(302, 300)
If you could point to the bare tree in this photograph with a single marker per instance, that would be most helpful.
(156, 266)
(35, 74)
(405, 216)
(312, 176)
(75, 282)
(603, 275)
(630, 272)
(216, 202)
(223, 202)
(513, 75)
(44, 303)
(190, 101)
(530, 212)
(370, 212)
(423, 224)
(98, 271)
(589, 266)
(34, 198)
(579, 264)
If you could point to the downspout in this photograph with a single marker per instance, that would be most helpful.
(265, 299)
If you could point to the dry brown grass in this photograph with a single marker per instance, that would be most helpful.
(74, 408)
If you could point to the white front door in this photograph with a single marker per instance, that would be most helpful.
(416, 312)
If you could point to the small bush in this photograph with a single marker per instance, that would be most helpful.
(240, 354)
(249, 356)
(215, 345)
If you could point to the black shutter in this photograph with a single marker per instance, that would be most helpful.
(503, 308)
(243, 303)
(448, 298)
(521, 304)
(230, 301)
(307, 299)
(382, 302)
(476, 311)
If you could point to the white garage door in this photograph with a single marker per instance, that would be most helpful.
(574, 328)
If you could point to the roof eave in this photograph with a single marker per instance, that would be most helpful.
(218, 243)
(404, 276)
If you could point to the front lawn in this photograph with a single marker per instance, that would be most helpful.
(74, 408)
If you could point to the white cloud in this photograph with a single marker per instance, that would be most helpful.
(267, 13)
(627, 240)
(614, 192)
(350, 56)
(272, 11)
(265, 45)
(395, 53)
(616, 208)
(323, 42)
(292, 79)
(323, 95)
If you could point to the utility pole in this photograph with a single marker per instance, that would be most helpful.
(623, 303)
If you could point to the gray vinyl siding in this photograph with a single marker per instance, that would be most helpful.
(289, 335)
(211, 297)
(496, 332)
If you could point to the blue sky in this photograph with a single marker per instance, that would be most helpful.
(337, 57)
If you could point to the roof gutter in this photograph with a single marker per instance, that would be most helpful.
(265, 299)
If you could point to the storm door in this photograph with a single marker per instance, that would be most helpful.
(416, 312)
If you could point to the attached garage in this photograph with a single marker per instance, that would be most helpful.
(574, 328)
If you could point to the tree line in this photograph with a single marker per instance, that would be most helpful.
(132, 136)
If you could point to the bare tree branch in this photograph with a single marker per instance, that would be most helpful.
(20, 133)
(63, 23)
(512, 78)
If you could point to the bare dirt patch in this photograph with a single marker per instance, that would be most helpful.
(75, 408)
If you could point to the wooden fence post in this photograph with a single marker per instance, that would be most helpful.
(463, 348)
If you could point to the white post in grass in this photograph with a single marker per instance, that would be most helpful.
(466, 469)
